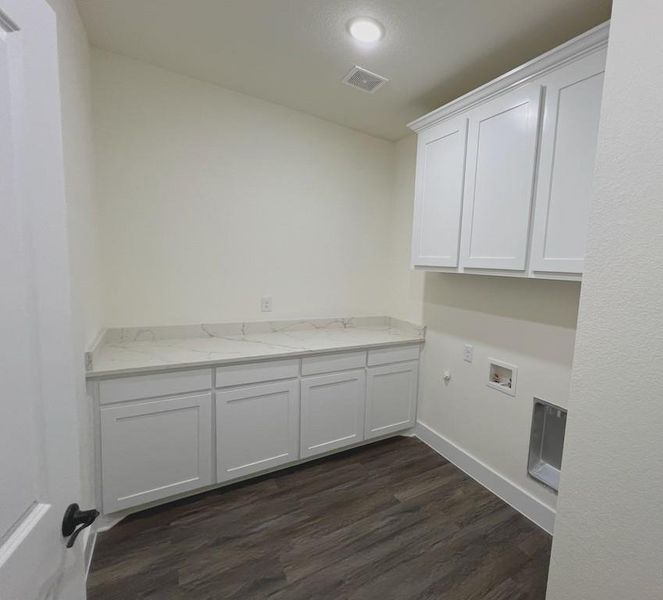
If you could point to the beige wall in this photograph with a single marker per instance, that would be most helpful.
(528, 323)
(211, 199)
(82, 214)
(406, 284)
(610, 525)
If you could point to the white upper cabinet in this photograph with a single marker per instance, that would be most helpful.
(566, 167)
(501, 159)
(439, 194)
(504, 173)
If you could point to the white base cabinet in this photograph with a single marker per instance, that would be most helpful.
(170, 433)
(257, 428)
(332, 411)
(155, 449)
(391, 398)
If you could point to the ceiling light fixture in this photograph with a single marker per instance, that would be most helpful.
(366, 30)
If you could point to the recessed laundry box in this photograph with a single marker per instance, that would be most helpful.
(546, 443)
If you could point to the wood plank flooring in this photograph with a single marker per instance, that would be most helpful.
(392, 520)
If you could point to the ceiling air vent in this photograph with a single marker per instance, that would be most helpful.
(364, 80)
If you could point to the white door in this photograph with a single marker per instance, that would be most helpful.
(499, 181)
(154, 449)
(39, 464)
(257, 428)
(439, 194)
(566, 167)
(332, 411)
(391, 398)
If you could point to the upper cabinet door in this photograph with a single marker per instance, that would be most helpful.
(499, 182)
(566, 170)
(439, 194)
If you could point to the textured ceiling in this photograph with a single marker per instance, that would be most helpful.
(295, 52)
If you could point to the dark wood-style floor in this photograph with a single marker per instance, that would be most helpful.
(392, 520)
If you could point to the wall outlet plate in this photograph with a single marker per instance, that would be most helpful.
(266, 304)
(468, 353)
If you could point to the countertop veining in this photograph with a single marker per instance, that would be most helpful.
(142, 349)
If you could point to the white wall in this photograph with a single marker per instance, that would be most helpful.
(74, 62)
(211, 199)
(528, 323)
(608, 542)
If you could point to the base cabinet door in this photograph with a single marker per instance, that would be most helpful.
(257, 428)
(332, 411)
(154, 449)
(391, 398)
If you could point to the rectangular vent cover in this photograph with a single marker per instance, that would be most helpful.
(364, 80)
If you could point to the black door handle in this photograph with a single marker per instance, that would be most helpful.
(75, 518)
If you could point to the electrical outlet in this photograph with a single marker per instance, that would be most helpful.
(266, 304)
(468, 353)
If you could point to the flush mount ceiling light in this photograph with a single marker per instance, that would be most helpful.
(366, 30)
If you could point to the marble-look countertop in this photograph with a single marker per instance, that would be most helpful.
(144, 349)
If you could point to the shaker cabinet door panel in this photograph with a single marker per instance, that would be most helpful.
(332, 411)
(257, 428)
(439, 194)
(391, 398)
(499, 181)
(566, 168)
(155, 449)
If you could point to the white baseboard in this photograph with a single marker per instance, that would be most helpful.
(535, 510)
(106, 522)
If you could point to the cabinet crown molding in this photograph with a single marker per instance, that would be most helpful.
(585, 43)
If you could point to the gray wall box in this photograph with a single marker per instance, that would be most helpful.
(546, 443)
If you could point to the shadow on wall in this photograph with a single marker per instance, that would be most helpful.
(533, 317)
(541, 301)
